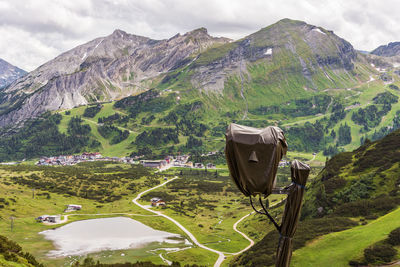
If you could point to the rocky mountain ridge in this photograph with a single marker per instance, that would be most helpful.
(295, 56)
(104, 69)
(389, 50)
(9, 73)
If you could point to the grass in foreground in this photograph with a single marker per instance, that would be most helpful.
(337, 249)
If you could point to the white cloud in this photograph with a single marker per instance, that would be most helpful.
(33, 32)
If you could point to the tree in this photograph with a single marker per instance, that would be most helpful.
(333, 134)
(344, 135)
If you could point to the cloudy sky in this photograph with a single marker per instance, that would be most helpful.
(35, 31)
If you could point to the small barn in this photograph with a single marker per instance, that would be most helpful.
(156, 202)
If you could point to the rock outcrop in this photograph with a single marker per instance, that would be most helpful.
(389, 50)
(104, 69)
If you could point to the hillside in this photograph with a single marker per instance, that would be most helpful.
(11, 254)
(300, 77)
(9, 73)
(357, 183)
(354, 188)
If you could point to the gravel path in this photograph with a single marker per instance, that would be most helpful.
(221, 255)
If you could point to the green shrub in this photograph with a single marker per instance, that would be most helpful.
(394, 237)
(334, 165)
(335, 183)
(378, 253)
(357, 263)
(366, 207)
(91, 111)
(10, 256)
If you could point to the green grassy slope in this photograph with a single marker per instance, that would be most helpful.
(216, 117)
(369, 173)
(337, 249)
(11, 255)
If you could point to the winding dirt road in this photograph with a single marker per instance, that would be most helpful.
(221, 255)
(243, 234)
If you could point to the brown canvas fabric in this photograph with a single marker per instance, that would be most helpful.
(299, 174)
(253, 156)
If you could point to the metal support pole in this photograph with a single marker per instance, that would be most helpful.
(12, 223)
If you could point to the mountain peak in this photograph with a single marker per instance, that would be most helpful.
(290, 21)
(389, 50)
(200, 30)
(119, 33)
(9, 73)
(287, 23)
(201, 34)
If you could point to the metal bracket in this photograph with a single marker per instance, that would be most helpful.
(282, 190)
(266, 213)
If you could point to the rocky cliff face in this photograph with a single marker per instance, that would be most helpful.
(294, 45)
(104, 69)
(389, 50)
(122, 64)
(9, 73)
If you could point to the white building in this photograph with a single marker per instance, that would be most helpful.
(54, 219)
(72, 207)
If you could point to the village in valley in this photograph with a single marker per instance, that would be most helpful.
(167, 162)
(160, 165)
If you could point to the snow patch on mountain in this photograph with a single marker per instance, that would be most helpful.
(318, 30)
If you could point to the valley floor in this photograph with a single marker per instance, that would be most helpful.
(26, 229)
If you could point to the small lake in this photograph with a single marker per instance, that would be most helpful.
(88, 236)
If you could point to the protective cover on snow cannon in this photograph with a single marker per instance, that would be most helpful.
(253, 157)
